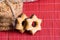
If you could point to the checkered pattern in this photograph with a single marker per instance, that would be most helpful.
(49, 11)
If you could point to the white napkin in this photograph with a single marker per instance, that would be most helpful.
(28, 0)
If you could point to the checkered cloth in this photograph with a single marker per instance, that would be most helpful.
(49, 11)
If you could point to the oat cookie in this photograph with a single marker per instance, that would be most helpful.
(6, 16)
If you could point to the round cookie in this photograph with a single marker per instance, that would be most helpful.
(21, 23)
(5, 17)
(36, 27)
(7, 9)
(16, 8)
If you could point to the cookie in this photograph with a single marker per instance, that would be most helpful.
(16, 8)
(6, 16)
(33, 28)
(21, 22)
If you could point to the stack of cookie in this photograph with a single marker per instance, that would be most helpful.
(32, 24)
(7, 9)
